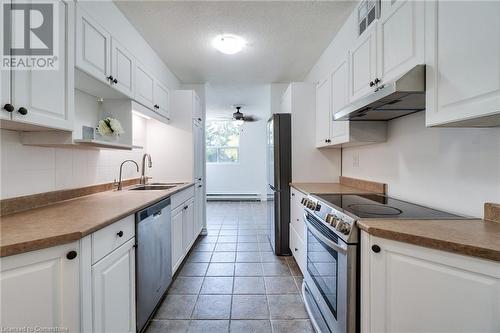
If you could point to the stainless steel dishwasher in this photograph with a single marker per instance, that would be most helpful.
(153, 259)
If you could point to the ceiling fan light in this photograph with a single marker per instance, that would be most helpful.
(239, 122)
(229, 44)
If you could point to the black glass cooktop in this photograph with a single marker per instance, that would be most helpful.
(380, 206)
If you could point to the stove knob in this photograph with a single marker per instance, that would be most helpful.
(303, 201)
(334, 222)
(329, 218)
(343, 227)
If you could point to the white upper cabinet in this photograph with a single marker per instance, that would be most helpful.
(122, 68)
(400, 38)
(32, 100)
(323, 115)
(93, 47)
(5, 100)
(161, 100)
(339, 130)
(463, 63)
(144, 87)
(363, 64)
(41, 288)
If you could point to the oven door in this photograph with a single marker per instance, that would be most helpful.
(331, 276)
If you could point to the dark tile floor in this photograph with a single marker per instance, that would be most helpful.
(232, 281)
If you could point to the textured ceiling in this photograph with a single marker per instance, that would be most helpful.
(285, 38)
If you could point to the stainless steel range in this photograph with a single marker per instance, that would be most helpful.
(331, 283)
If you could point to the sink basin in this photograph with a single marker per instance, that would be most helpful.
(152, 187)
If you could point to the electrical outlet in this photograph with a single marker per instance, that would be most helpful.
(355, 160)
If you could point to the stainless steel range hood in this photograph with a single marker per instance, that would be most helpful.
(404, 96)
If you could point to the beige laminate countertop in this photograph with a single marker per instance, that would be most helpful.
(73, 219)
(473, 237)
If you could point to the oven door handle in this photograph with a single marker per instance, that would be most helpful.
(324, 239)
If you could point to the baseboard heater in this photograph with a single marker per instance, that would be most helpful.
(233, 197)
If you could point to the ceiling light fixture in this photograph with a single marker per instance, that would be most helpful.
(229, 44)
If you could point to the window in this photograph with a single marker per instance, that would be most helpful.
(223, 141)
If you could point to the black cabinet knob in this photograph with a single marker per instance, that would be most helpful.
(71, 255)
(199, 119)
(23, 111)
(199, 186)
(372, 83)
(115, 81)
(156, 106)
(375, 248)
(377, 80)
(110, 78)
(296, 249)
(119, 233)
(8, 107)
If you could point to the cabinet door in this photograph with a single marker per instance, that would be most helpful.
(298, 248)
(113, 300)
(93, 47)
(188, 225)
(197, 110)
(339, 130)
(162, 100)
(41, 288)
(177, 237)
(47, 95)
(5, 94)
(198, 151)
(323, 113)
(199, 198)
(297, 212)
(144, 87)
(407, 288)
(363, 63)
(122, 68)
(463, 80)
(400, 38)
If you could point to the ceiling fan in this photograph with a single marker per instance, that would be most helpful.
(240, 117)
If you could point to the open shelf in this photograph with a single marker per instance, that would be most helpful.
(104, 144)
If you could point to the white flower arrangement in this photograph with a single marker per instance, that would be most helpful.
(110, 127)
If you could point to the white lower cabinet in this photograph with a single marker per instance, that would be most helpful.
(41, 288)
(408, 288)
(297, 229)
(113, 292)
(183, 227)
(188, 225)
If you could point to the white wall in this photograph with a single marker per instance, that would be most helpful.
(249, 175)
(454, 169)
(446, 168)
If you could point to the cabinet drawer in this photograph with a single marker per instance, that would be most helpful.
(298, 248)
(180, 197)
(107, 239)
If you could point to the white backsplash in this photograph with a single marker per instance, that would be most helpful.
(28, 170)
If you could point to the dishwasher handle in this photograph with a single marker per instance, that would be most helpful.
(153, 210)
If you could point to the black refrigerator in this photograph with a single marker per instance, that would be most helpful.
(279, 176)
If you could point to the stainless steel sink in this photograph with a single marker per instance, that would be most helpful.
(153, 187)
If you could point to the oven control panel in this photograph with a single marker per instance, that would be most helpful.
(344, 225)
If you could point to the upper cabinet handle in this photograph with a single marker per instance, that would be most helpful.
(372, 84)
(115, 81)
(377, 80)
(22, 110)
(8, 107)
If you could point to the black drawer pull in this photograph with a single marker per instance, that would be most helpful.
(71, 255)
(119, 233)
(8, 107)
(376, 248)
